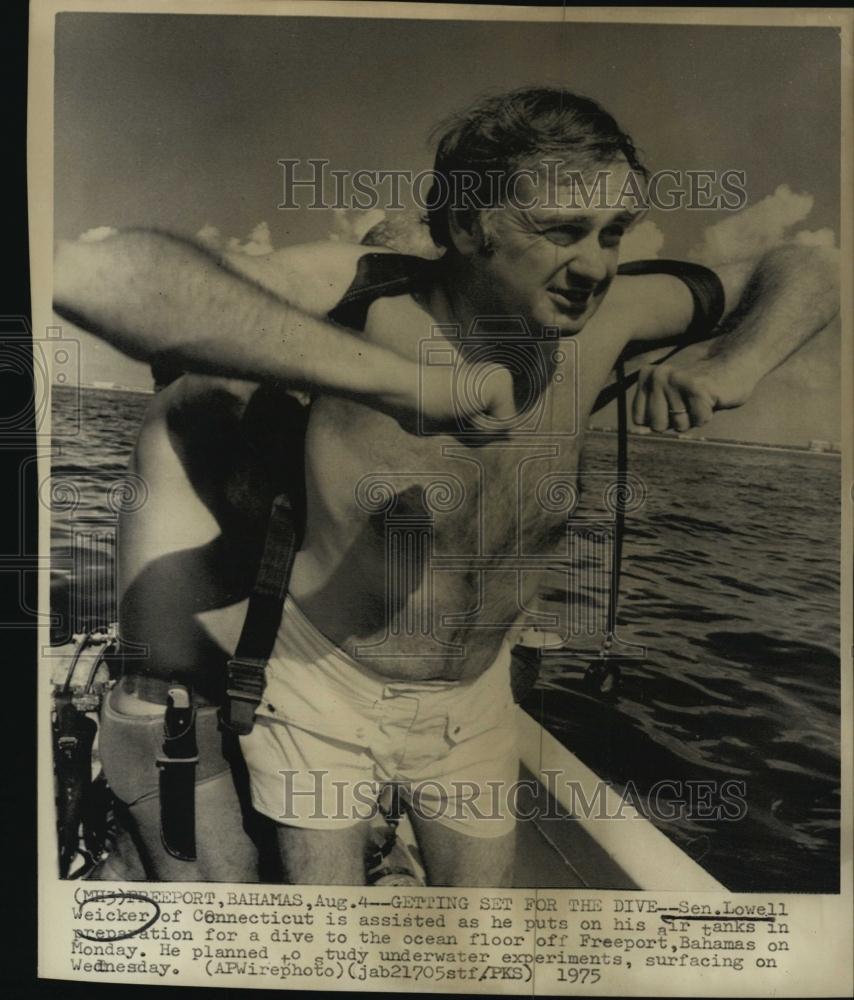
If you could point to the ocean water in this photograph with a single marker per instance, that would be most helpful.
(729, 607)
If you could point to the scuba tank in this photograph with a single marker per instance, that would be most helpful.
(82, 802)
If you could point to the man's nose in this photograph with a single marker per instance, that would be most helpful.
(588, 261)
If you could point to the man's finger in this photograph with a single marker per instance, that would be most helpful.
(700, 410)
(639, 404)
(699, 401)
(657, 407)
(677, 410)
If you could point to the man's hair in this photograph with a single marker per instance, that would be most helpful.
(501, 134)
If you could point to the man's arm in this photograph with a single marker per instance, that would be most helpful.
(153, 295)
(156, 296)
(773, 307)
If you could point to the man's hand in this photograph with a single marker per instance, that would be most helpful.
(774, 306)
(685, 391)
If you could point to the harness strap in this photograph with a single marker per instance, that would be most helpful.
(377, 275)
(709, 304)
(245, 670)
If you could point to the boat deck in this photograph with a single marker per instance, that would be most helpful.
(558, 853)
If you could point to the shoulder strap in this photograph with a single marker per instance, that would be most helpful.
(245, 670)
(377, 275)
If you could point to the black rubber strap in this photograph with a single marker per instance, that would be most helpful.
(378, 275)
(709, 303)
(245, 671)
(620, 500)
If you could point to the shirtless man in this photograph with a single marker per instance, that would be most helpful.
(399, 670)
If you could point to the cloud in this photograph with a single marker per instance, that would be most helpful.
(97, 234)
(753, 230)
(256, 244)
(816, 237)
(641, 243)
(210, 236)
(349, 225)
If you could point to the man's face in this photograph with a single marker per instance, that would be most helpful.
(553, 262)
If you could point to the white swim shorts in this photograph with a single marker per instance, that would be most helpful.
(329, 733)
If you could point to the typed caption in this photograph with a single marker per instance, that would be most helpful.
(405, 939)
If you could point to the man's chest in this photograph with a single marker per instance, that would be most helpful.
(477, 495)
(368, 479)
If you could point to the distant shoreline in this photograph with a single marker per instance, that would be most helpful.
(801, 449)
(136, 390)
(718, 442)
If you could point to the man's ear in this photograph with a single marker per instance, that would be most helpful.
(466, 231)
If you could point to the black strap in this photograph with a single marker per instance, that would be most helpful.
(378, 275)
(703, 284)
(707, 293)
(709, 303)
(603, 675)
(245, 671)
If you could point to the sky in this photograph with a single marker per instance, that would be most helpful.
(178, 121)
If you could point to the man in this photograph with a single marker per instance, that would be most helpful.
(434, 386)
